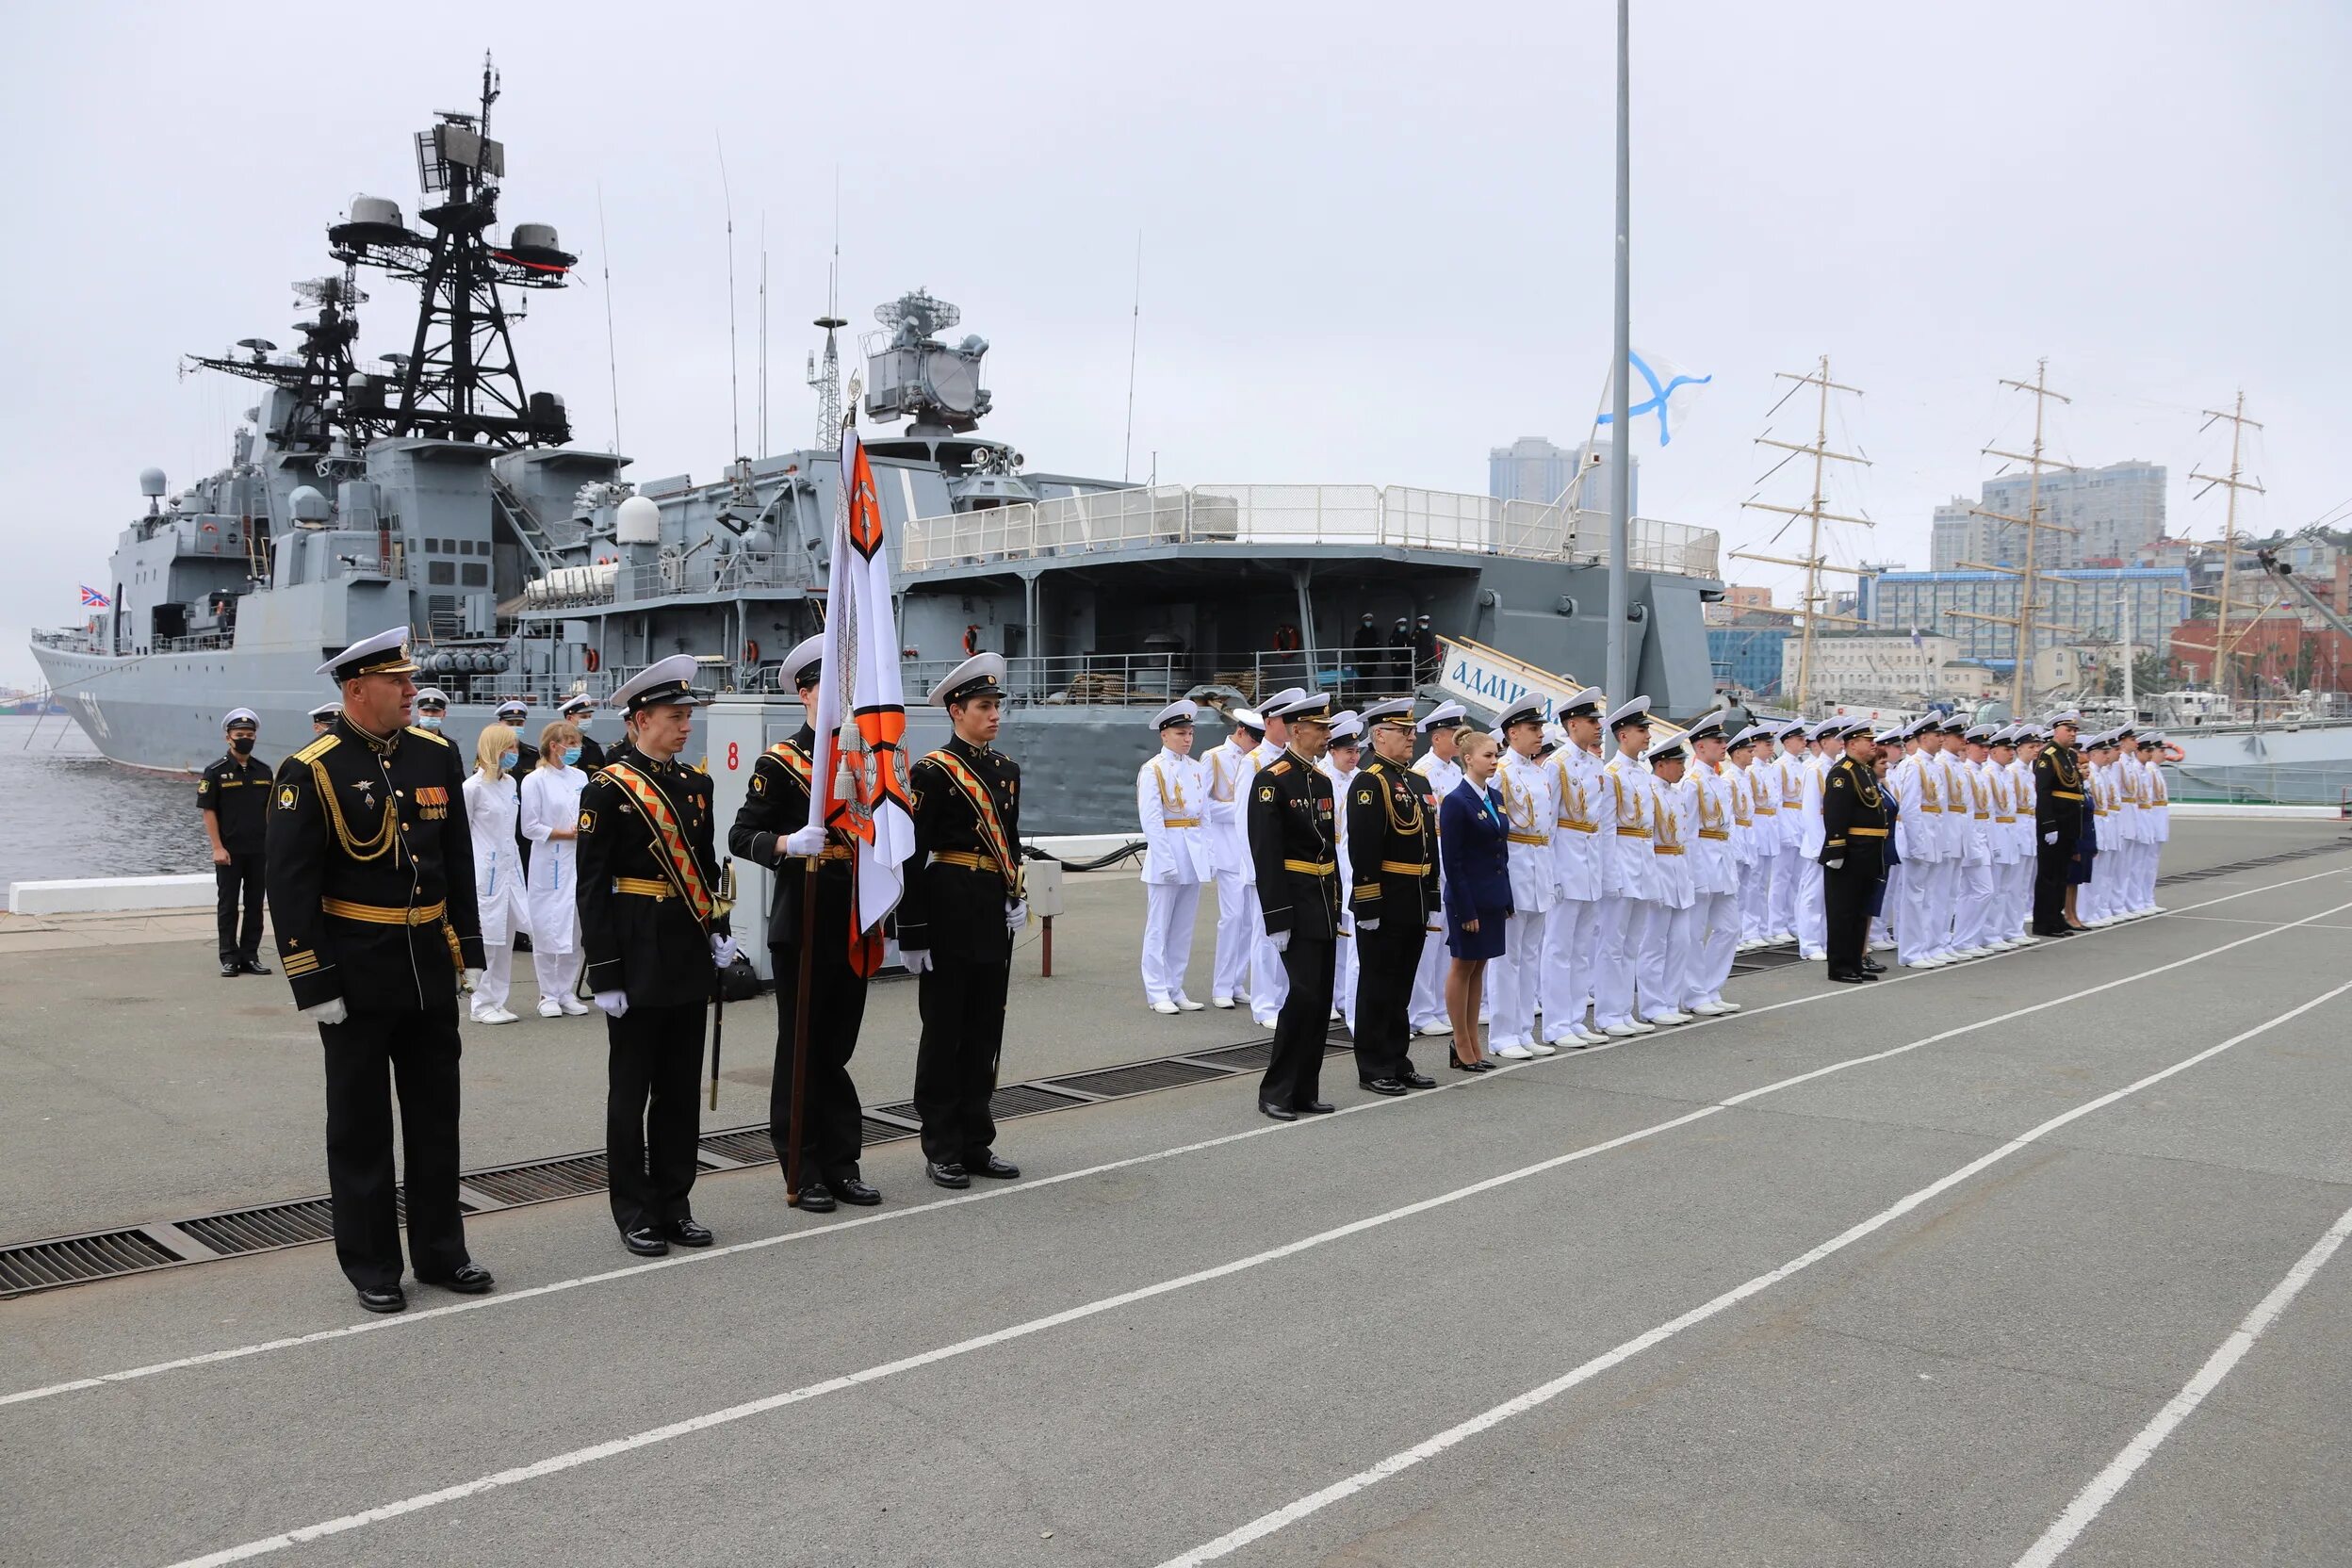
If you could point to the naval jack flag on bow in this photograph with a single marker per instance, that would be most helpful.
(858, 775)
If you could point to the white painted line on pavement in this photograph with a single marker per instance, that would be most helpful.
(2096, 1496)
(578, 1457)
(631, 1271)
(1290, 1513)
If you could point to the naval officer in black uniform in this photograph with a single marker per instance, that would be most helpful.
(371, 893)
(578, 712)
(964, 901)
(1857, 823)
(2058, 813)
(1392, 849)
(772, 827)
(654, 933)
(1292, 848)
(233, 796)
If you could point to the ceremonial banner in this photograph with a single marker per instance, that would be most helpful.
(859, 772)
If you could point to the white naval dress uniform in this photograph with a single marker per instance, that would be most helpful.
(1269, 983)
(2028, 851)
(1237, 881)
(1812, 909)
(2156, 811)
(2126, 899)
(1572, 929)
(1427, 1008)
(2114, 842)
(1178, 857)
(1787, 776)
(1627, 804)
(1714, 858)
(2001, 840)
(1667, 934)
(1972, 903)
(1345, 965)
(1756, 897)
(1517, 978)
(1918, 839)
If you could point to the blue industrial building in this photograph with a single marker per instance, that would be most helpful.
(1747, 657)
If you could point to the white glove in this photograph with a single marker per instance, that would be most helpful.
(473, 978)
(1363, 925)
(1281, 940)
(804, 841)
(328, 1012)
(722, 950)
(614, 1003)
(2051, 838)
(1015, 913)
(917, 960)
(1838, 864)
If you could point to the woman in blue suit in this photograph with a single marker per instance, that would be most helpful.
(1471, 850)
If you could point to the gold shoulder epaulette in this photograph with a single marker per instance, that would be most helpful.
(1280, 765)
(437, 740)
(318, 748)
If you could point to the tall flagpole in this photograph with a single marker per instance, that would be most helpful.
(1621, 455)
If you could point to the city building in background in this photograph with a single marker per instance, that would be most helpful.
(1884, 667)
(2116, 513)
(2139, 604)
(1748, 654)
(1532, 470)
(1742, 605)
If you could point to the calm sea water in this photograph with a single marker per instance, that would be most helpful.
(66, 811)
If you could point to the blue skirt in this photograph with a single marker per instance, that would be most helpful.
(1485, 943)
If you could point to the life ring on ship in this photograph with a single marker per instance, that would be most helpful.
(751, 652)
(971, 639)
(593, 660)
(2174, 754)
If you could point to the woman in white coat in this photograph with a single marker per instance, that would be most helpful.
(491, 807)
(551, 821)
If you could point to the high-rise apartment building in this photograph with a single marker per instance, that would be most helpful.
(1533, 470)
(2096, 517)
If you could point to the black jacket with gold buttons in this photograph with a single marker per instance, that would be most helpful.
(639, 926)
(1392, 843)
(1292, 846)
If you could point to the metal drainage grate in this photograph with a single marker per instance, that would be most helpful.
(747, 1146)
(884, 1131)
(77, 1260)
(1111, 1083)
(570, 1177)
(1766, 957)
(260, 1230)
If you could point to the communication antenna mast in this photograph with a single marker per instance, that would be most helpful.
(1135, 332)
(1813, 563)
(2224, 670)
(612, 350)
(827, 382)
(762, 441)
(734, 380)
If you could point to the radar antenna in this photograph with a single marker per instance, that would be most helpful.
(319, 373)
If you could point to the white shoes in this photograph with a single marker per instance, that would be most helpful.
(1267, 1021)
(1670, 1016)
(1641, 1026)
(1435, 1026)
(1186, 1004)
(1224, 1002)
(1925, 963)
(1619, 1030)
(549, 1007)
(1536, 1048)
(1513, 1052)
(1788, 937)
(1710, 1009)
(1167, 1007)
(572, 1005)
(1335, 1018)
(497, 1015)
(1814, 954)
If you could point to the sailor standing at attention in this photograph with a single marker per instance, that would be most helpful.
(1812, 770)
(1628, 810)
(1714, 860)
(1339, 766)
(1229, 841)
(323, 716)
(1668, 934)
(1294, 840)
(1528, 810)
(1172, 791)
(232, 798)
(1391, 817)
(772, 829)
(371, 895)
(1269, 977)
(1572, 930)
(2156, 812)
(1919, 827)
(655, 936)
(1853, 845)
(965, 901)
(1740, 784)
(578, 713)
(1764, 790)
(1787, 776)
(1443, 725)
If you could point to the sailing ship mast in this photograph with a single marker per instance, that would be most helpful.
(2225, 674)
(2027, 620)
(1813, 563)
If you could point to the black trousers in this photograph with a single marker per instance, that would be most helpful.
(652, 1120)
(2050, 865)
(1385, 961)
(1847, 894)
(241, 941)
(417, 1049)
(1294, 1071)
(831, 1136)
(963, 1036)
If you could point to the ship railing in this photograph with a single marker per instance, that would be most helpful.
(707, 573)
(1152, 679)
(1277, 515)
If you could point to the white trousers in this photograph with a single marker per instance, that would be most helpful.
(1429, 977)
(1756, 897)
(1516, 979)
(1665, 938)
(1344, 971)
(1919, 934)
(1707, 963)
(1169, 911)
(1812, 912)
(2148, 874)
(1571, 932)
(557, 973)
(1788, 876)
(1269, 985)
(497, 976)
(1236, 929)
(1614, 957)
(1973, 906)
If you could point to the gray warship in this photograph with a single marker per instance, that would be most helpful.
(430, 488)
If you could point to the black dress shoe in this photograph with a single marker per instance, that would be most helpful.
(849, 1189)
(814, 1197)
(688, 1233)
(646, 1241)
(252, 966)
(391, 1299)
(470, 1279)
(988, 1164)
(1848, 977)
(1868, 978)
(1383, 1086)
(949, 1174)
(1280, 1113)
(1315, 1108)
(1413, 1080)
(230, 972)
(1872, 966)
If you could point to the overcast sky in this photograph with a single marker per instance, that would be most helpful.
(1376, 238)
